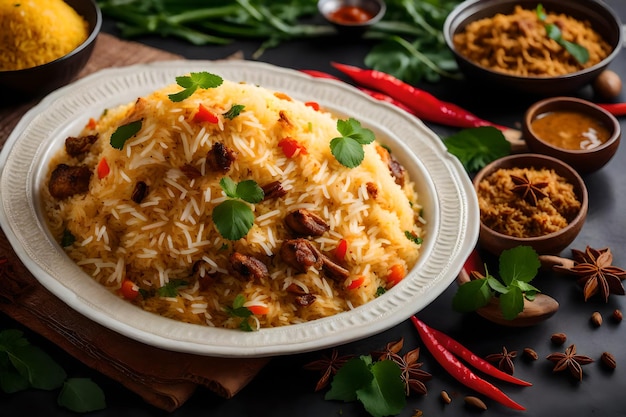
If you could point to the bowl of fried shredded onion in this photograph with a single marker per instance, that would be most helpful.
(546, 47)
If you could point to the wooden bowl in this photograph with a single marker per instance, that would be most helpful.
(552, 243)
(582, 160)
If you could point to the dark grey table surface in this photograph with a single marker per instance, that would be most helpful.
(284, 388)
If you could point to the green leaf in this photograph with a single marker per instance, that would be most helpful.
(476, 147)
(67, 239)
(37, 367)
(81, 395)
(579, 52)
(511, 303)
(347, 151)
(250, 191)
(519, 263)
(234, 111)
(125, 132)
(12, 339)
(171, 288)
(352, 376)
(348, 148)
(192, 82)
(229, 186)
(11, 381)
(233, 219)
(385, 395)
(496, 285)
(472, 295)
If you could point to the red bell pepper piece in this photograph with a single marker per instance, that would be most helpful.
(457, 369)
(129, 289)
(342, 249)
(291, 146)
(103, 168)
(205, 115)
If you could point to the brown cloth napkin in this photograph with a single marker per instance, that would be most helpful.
(162, 378)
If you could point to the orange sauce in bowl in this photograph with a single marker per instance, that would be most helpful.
(570, 130)
(350, 15)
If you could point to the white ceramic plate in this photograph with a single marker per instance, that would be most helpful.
(446, 192)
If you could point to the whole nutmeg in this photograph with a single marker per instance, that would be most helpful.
(607, 85)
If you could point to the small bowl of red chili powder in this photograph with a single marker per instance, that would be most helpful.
(352, 16)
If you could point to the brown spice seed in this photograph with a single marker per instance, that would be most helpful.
(530, 354)
(558, 338)
(475, 402)
(596, 319)
(418, 413)
(608, 360)
(446, 397)
(617, 315)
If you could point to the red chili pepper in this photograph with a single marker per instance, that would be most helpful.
(471, 358)
(424, 105)
(204, 115)
(342, 249)
(459, 371)
(313, 104)
(616, 109)
(103, 168)
(356, 283)
(291, 146)
(320, 74)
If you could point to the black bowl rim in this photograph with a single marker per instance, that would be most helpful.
(93, 34)
(449, 29)
(580, 216)
(571, 102)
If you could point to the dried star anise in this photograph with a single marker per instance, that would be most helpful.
(328, 366)
(504, 360)
(569, 360)
(412, 375)
(597, 275)
(531, 192)
(391, 349)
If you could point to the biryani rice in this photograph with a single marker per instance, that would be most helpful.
(160, 239)
(35, 32)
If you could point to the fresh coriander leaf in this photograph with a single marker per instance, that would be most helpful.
(192, 82)
(347, 151)
(125, 132)
(238, 310)
(233, 219)
(81, 395)
(380, 291)
(496, 285)
(234, 111)
(511, 303)
(352, 376)
(519, 263)
(171, 288)
(250, 191)
(11, 381)
(525, 287)
(229, 186)
(67, 239)
(415, 239)
(348, 148)
(35, 365)
(385, 395)
(472, 295)
(476, 147)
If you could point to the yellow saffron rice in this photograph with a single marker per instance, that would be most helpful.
(170, 235)
(35, 32)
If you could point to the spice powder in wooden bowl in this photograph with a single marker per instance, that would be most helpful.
(526, 202)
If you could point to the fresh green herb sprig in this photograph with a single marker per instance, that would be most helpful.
(125, 132)
(171, 288)
(24, 366)
(234, 111)
(476, 147)
(192, 82)
(579, 52)
(348, 148)
(239, 310)
(518, 266)
(234, 218)
(377, 385)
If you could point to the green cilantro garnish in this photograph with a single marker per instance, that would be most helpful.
(234, 218)
(234, 111)
(518, 266)
(238, 310)
(476, 147)
(67, 239)
(24, 366)
(411, 236)
(171, 288)
(348, 148)
(192, 82)
(380, 291)
(125, 132)
(378, 386)
(579, 52)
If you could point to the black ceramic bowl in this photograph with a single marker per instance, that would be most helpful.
(29, 83)
(601, 17)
